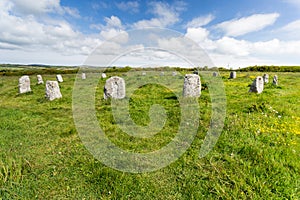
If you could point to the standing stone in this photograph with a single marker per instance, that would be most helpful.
(103, 75)
(232, 75)
(114, 88)
(275, 80)
(192, 86)
(39, 79)
(266, 78)
(24, 84)
(83, 76)
(257, 85)
(215, 74)
(59, 78)
(174, 73)
(52, 90)
(162, 73)
(144, 74)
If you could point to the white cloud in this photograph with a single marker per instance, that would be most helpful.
(289, 32)
(131, 6)
(200, 21)
(42, 7)
(36, 7)
(197, 34)
(26, 35)
(242, 26)
(165, 14)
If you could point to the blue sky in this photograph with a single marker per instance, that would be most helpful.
(234, 33)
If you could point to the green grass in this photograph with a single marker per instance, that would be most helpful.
(256, 157)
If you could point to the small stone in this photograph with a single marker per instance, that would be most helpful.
(174, 73)
(103, 75)
(266, 78)
(24, 84)
(144, 74)
(83, 76)
(52, 90)
(192, 85)
(215, 74)
(257, 85)
(114, 88)
(39, 79)
(59, 78)
(275, 80)
(232, 75)
(162, 73)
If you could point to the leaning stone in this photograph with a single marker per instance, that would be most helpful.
(83, 76)
(59, 78)
(174, 73)
(275, 80)
(103, 75)
(232, 75)
(192, 86)
(215, 74)
(52, 90)
(24, 84)
(39, 79)
(114, 88)
(266, 78)
(257, 85)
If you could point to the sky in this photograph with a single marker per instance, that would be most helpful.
(232, 33)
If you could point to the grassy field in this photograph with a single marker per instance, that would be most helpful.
(256, 157)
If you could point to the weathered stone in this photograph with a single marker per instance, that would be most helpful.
(103, 75)
(39, 79)
(174, 73)
(83, 76)
(59, 78)
(24, 84)
(266, 78)
(257, 85)
(192, 86)
(275, 80)
(215, 74)
(52, 90)
(232, 75)
(114, 88)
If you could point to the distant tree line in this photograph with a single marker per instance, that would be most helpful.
(270, 69)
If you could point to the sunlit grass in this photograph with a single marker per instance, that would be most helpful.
(256, 157)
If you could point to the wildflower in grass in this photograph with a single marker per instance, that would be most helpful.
(279, 116)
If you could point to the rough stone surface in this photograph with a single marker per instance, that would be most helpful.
(174, 73)
(192, 86)
(232, 74)
(52, 90)
(83, 76)
(103, 75)
(114, 88)
(59, 78)
(24, 84)
(266, 78)
(257, 85)
(275, 80)
(215, 74)
(39, 79)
